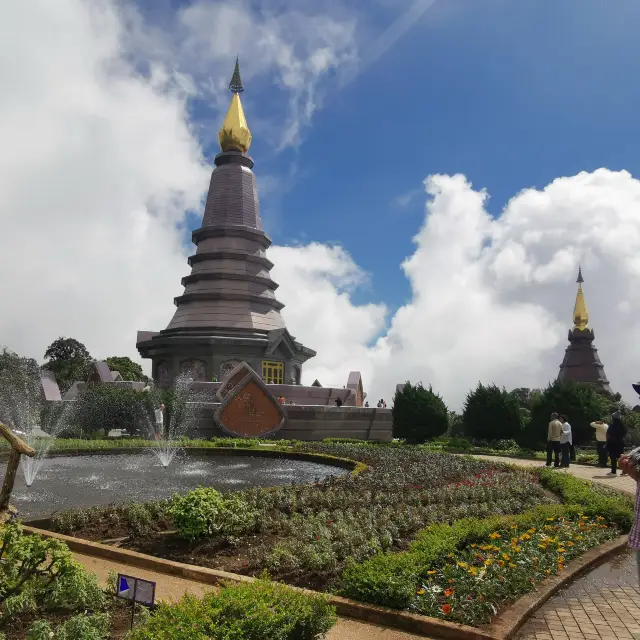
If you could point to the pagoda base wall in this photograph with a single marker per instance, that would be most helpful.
(313, 423)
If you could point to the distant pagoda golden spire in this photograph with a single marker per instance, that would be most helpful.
(580, 313)
(234, 135)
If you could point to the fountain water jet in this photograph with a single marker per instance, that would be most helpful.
(24, 409)
(178, 421)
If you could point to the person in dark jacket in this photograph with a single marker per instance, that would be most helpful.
(615, 441)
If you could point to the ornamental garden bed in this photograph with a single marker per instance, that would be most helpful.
(441, 535)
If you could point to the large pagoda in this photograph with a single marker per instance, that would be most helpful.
(228, 312)
(581, 360)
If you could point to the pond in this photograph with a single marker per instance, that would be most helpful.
(69, 482)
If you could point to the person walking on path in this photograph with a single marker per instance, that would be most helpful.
(601, 441)
(553, 440)
(159, 421)
(615, 441)
(566, 442)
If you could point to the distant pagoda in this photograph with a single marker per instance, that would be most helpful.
(228, 312)
(581, 360)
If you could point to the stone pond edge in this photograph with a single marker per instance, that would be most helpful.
(504, 627)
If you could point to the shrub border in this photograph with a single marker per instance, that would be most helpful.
(502, 628)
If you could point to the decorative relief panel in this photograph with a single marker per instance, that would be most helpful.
(247, 408)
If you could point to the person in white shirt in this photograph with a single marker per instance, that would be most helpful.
(566, 441)
(601, 439)
(159, 421)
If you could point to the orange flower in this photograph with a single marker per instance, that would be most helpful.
(446, 609)
(448, 593)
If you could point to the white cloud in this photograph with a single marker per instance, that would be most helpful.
(98, 164)
(493, 298)
(294, 48)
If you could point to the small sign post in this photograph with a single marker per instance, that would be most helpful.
(136, 590)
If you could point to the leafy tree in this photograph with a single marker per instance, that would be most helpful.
(127, 368)
(579, 402)
(525, 397)
(69, 360)
(419, 414)
(491, 413)
(106, 406)
(21, 397)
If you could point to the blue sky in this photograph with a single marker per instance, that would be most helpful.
(511, 94)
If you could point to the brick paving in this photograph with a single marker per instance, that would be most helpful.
(603, 605)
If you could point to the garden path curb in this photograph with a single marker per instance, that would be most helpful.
(507, 624)
(503, 628)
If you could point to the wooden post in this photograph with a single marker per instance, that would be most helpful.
(18, 447)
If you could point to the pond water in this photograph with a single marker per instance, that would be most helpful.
(69, 482)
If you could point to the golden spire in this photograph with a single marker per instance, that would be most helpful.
(580, 313)
(234, 135)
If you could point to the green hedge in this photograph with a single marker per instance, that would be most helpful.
(391, 579)
(251, 611)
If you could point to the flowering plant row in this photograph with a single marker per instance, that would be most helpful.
(469, 585)
(467, 570)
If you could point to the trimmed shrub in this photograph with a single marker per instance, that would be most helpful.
(205, 512)
(419, 414)
(491, 413)
(252, 611)
(579, 402)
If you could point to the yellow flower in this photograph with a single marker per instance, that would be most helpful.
(585, 518)
(513, 566)
(548, 571)
(517, 549)
(495, 535)
(488, 562)
(431, 573)
(473, 546)
(462, 565)
(501, 563)
(550, 519)
(473, 571)
(506, 556)
(561, 550)
(543, 547)
(570, 544)
(420, 592)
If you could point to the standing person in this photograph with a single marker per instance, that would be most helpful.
(553, 440)
(601, 441)
(630, 468)
(615, 441)
(566, 442)
(159, 421)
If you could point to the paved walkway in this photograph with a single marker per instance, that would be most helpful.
(602, 605)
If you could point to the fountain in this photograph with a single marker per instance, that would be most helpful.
(23, 408)
(178, 420)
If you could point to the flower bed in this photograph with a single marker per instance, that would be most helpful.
(472, 583)
(306, 535)
(419, 579)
